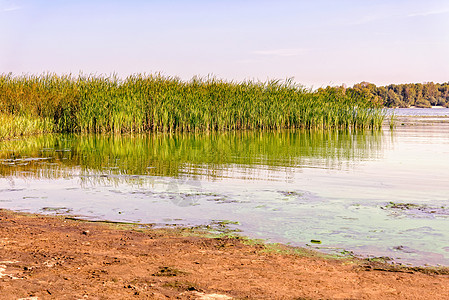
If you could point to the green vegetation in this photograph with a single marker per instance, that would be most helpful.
(169, 272)
(418, 208)
(182, 285)
(155, 103)
(401, 205)
(401, 95)
(17, 125)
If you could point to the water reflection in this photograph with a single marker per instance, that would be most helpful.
(374, 193)
(212, 155)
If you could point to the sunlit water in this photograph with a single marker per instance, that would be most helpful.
(435, 111)
(382, 193)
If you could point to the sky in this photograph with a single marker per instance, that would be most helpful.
(318, 43)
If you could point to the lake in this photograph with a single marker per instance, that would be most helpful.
(373, 193)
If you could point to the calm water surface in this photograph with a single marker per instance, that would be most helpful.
(382, 193)
(434, 112)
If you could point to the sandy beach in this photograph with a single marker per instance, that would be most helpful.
(47, 257)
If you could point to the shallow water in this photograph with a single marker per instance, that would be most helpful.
(381, 193)
(434, 111)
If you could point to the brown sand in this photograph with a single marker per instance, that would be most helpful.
(44, 257)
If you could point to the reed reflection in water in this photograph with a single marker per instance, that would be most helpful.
(117, 157)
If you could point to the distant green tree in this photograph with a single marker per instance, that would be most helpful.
(409, 94)
(399, 95)
(444, 92)
(369, 91)
(422, 103)
(393, 100)
(430, 89)
(441, 101)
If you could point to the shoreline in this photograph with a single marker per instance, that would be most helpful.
(54, 257)
(225, 229)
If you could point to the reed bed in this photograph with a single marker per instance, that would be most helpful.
(144, 103)
(15, 126)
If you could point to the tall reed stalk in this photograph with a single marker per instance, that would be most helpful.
(142, 103)
(15, 126)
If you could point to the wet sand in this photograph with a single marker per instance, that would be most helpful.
(45, 257)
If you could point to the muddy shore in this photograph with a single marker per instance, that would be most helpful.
(45, 257)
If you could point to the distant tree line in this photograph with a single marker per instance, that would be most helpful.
(399, 95)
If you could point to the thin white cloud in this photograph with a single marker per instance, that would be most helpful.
(6, 6)
(375, 18)
(282, 52)
(429, 13)
(12, 8)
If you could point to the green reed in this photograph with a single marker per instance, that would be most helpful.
(144, 103)
(15, 126)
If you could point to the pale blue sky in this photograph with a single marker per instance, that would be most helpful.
(319, 43)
